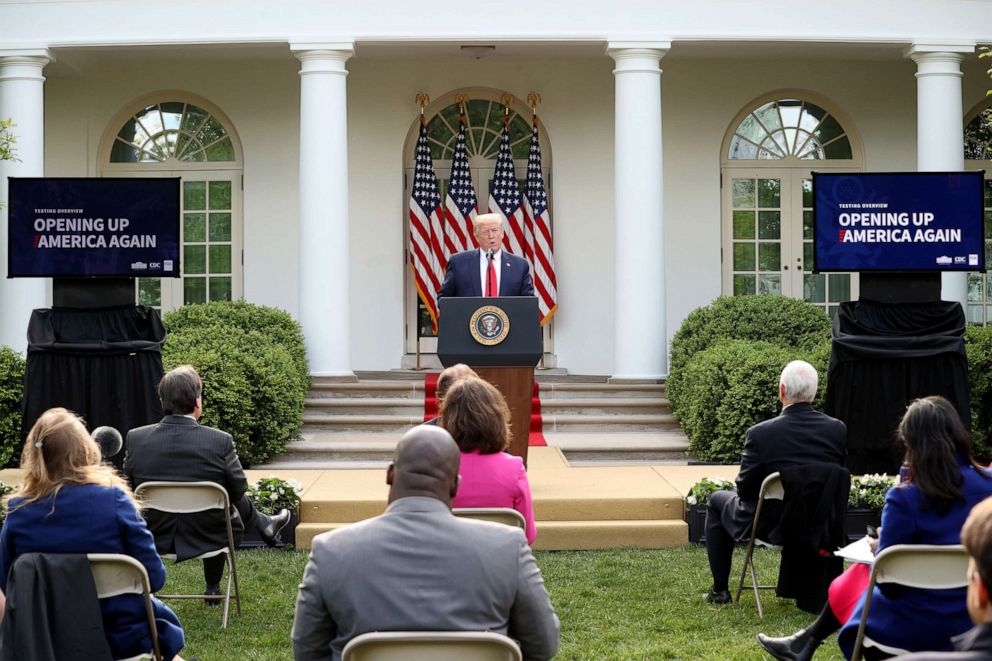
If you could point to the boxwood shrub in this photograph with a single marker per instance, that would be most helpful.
(254, 370)
(782, 321)
(978, 345)
(725, 363)
(12, 367)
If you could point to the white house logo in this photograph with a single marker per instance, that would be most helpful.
(489, 325)
(944, 259)
(139, 266)
(972, 259)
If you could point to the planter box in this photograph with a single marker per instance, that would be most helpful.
(857, 521)
(695, 516)
(251, 540)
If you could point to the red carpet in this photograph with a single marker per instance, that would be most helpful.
(536, 436)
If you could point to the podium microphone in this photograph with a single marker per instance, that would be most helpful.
(489, 254)
(109, 440)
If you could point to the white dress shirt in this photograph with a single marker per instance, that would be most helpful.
(484, 265)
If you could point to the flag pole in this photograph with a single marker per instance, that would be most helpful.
(422, 100)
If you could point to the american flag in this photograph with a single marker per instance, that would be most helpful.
(539, 218)
(427, 256)
(460, 205)
(505, 198)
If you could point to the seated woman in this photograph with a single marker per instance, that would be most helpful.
(70, 503)
(943, 482)
(476, 416)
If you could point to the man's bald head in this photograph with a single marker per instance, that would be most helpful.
(425, 464)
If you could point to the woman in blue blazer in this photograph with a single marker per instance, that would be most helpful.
(943, 482)
(70, 503)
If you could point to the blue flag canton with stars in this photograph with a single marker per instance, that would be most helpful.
(536, 194)
(460, 187)
(506, 190)
(425, 190)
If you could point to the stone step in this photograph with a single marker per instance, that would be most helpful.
(365, 406)
(570, 535)
(372, 389)
(318, 420)
(605, 405)
(607, 423)
(552, 390)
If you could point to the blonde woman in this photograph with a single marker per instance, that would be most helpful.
(70, 503)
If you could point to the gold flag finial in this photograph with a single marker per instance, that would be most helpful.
(532, 100)
(422, 99)
(461, 99)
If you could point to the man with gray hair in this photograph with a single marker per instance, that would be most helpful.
(799, 435)
(490, 270)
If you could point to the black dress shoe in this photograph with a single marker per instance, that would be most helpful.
(212, 590)
(799, 646)
(718, 597)
(269, 531)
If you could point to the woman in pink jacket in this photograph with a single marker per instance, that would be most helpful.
(475, 414)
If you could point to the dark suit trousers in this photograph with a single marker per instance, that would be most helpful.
(719, 542)
(213, 568)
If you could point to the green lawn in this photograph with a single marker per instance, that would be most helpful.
(628, 604)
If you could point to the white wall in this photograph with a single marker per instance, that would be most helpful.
(700, 99)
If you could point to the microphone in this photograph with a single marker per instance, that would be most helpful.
(489, 254)
(109, 440)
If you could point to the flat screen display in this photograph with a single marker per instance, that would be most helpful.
(78, 227)
(902, 221)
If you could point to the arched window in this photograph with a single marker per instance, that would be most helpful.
(978, 156)
(484, 113)
(768, 155)
(179, 135)
(789, 127)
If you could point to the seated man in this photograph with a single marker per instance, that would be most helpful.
(418, 567)
(178, 449)
(799, 435)
(975, 644)
(445, 380)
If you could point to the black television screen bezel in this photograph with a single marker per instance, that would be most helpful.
(981, 221)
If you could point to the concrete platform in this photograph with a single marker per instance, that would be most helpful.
(577, 507)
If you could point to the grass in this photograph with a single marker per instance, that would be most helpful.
(625, 605)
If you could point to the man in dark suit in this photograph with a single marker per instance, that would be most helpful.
(179, 449)
(417, 567)
(488, 271)
(799, 435)
(976, 643)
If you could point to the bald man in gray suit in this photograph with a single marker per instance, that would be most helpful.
(419, 568)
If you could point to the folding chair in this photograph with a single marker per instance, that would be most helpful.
(771, 489)
(189, 498)
(431, 646)
(926, 566)
(115, 574)
(507, 515)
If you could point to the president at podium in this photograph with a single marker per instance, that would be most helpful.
(488, 271)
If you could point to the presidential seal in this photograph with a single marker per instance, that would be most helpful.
(489, 325)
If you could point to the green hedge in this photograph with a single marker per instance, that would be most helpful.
(978, 345)
(254, 370)
(779, 320)
(11, 395)
(730, 386)
(726, 361)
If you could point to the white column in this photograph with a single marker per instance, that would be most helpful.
(940, 126)
(323, 257)
(22, 99)
(640, 335)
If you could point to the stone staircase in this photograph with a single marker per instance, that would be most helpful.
(356, 424)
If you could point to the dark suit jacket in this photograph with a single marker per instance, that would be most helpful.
(973, 645)
(798, 435)
(419, 568)
(180, 450)
(462, 277)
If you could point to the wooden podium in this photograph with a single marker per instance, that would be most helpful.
(500, 338)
